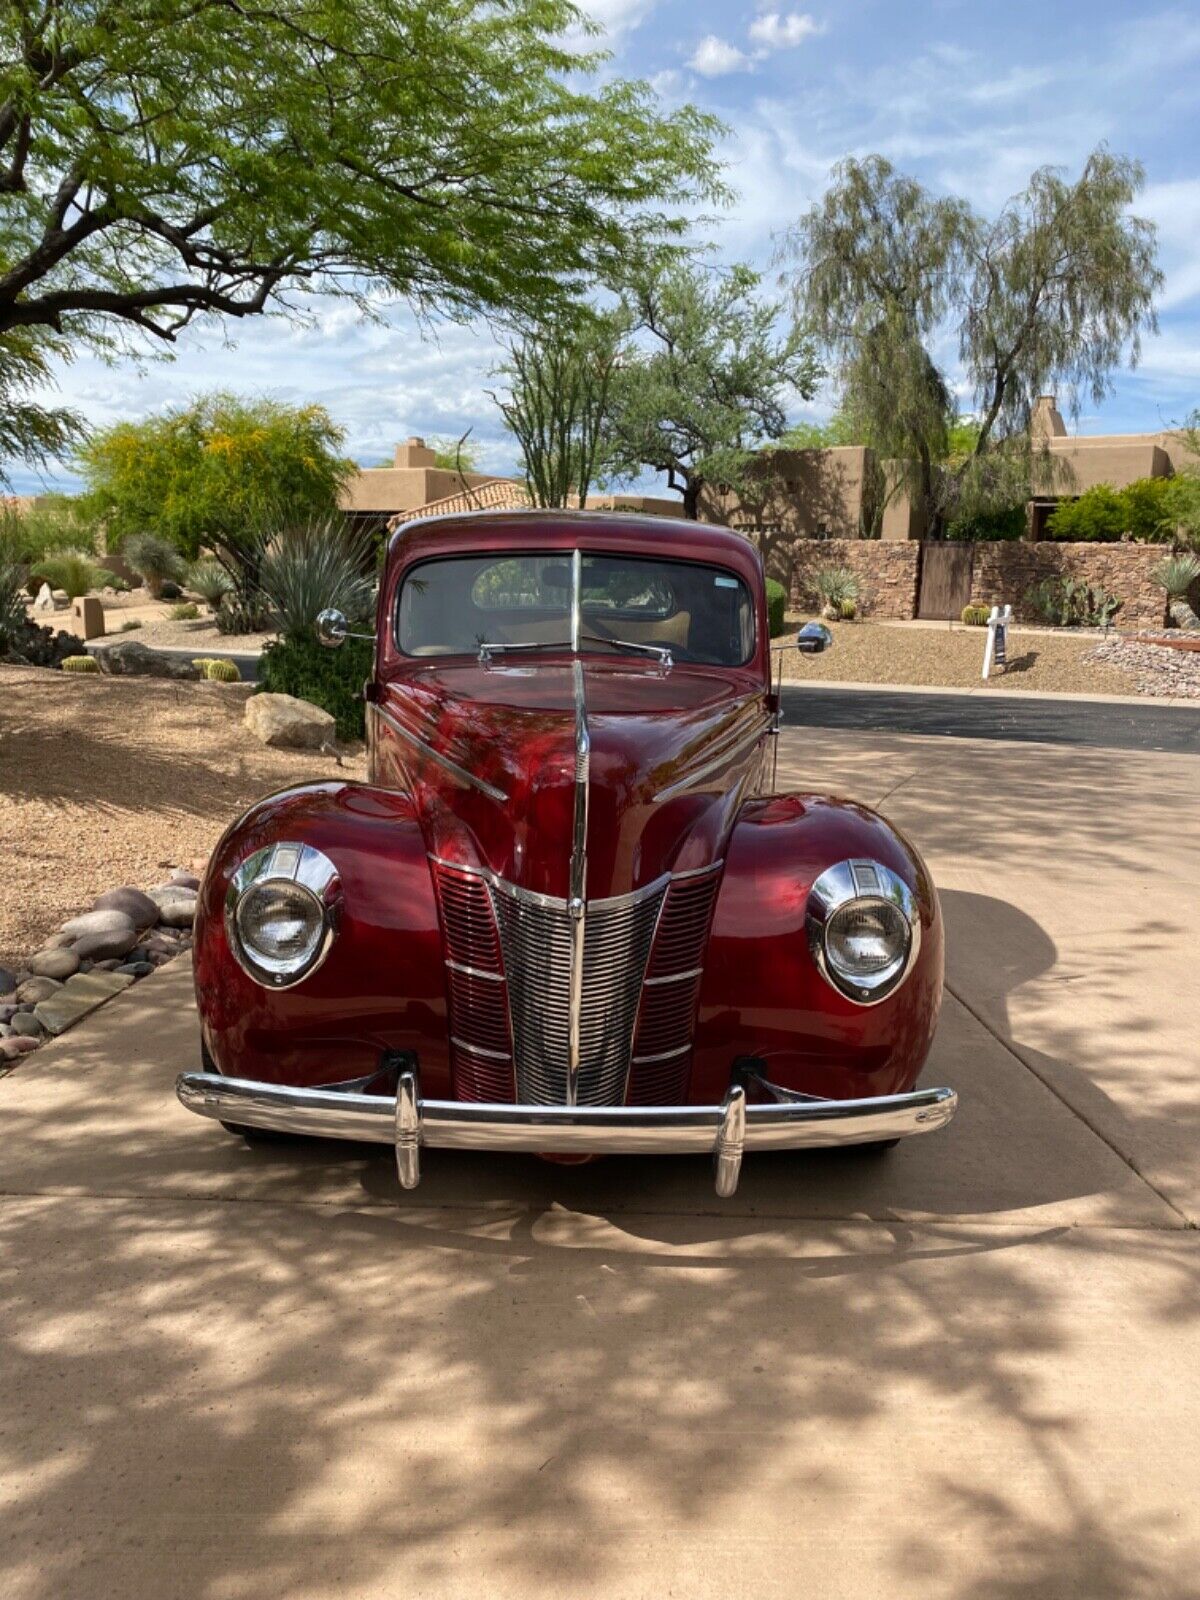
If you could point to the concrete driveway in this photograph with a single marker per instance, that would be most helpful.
(965, 1370)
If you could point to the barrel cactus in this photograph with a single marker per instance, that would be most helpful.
(79, 664)
(223, 671)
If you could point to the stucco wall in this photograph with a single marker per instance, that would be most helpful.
(887, 573)
(1004, 573)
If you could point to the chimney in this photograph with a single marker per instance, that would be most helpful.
(1046, 421)
(414, 452)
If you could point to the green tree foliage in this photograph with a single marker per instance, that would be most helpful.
(1050, 295)
(707, 381)
(216, 472)
(54, 523)
(559, 381)
(163, 160)
(453, 455)
(30, 432)
(776, 606)
(1142, 510)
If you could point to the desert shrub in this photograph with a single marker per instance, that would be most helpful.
(847, 610)
(975, 616)
(1103, 515)
(73, 571)
(12, 597)
(155, 561)
(833, 585)
(776, 606)
(1072, 603)
(331, 679)
(31, 646)
(56, 523)
(170, 590)
(129, 625)
(187, 612)
(1006, 522)
(241, 612)
(210, 581)
(80, 664)
(303, 570)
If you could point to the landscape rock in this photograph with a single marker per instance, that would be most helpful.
(137, 969)
(285, 723)
(17, 1046)
(130, 902)
(157, 944)
(44, 599)
(109, 964)
(5, 1030)
(101, 946)
(59, 941)
(178, 912)
(8, 981)
(54, 963)
(35, 989)
(8, 1012)
(98, 922)
(77, 997)
(185, 879)
(26, 1022)
(132, 659)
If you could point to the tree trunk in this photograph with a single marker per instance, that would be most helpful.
(691, 499)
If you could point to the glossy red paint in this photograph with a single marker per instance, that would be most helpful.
(382, 985)
(762, 994)
(476, 765)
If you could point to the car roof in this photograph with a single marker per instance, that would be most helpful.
(626, 533)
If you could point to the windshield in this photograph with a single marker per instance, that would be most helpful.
(454, 606)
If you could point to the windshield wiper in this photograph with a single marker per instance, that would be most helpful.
(663, 656)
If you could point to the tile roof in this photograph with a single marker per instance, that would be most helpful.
(500, 494)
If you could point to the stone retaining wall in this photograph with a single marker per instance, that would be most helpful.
(887, 573)
(1005, 572)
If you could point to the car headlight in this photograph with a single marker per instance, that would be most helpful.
(281, 912)
(864, 929)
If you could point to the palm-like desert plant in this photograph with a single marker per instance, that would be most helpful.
(836, 586)
(1177, 574)
(208, 578)
(154, 560)
(304, 570)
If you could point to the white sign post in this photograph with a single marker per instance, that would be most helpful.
(995, 652)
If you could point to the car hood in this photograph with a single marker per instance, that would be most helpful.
(489, 756)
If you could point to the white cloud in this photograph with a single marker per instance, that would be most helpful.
(778, 32)
(713, 57)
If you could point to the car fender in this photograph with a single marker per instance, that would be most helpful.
(382, 985)
(762, 994)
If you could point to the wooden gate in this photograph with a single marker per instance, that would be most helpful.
(945, 579)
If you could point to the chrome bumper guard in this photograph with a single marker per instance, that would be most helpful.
(406, 1121)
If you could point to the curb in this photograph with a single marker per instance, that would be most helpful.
(1145, 701)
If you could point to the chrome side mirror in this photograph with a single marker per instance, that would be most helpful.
(332, 628)
(813, 638)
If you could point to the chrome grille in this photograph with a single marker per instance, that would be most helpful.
(535, 935)
(481, 1047)
(662, 1052)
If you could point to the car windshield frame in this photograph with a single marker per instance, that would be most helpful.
(577, 640)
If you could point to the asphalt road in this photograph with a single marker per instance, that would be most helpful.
(1025, 718)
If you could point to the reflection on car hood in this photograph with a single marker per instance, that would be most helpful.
(671, 757)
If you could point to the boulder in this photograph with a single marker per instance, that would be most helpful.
(54, 964)
(101, 946)
(98, 922)
(26, 1022)
(130, 902)
(285, 723)
(44, 599)
(132, 659)
(35, 989)
(8, 981)
(177, 910)
(58, 941)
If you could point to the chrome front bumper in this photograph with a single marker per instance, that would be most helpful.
(406, 1121)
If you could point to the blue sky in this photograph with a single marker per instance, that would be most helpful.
(967, 97)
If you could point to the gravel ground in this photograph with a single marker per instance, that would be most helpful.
(1156, 669)
(157, 627)
(866, 652)
(107, 781)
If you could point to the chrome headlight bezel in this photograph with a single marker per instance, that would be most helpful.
(301, 867)
(861, 882)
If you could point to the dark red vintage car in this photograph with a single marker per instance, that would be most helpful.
(568, 913)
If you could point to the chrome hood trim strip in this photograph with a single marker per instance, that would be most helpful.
(576, 903)
(452, 767)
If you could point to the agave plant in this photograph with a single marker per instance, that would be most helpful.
(303, 570)
(154, 560)
(1177, 574)
(836, 586)
(208, 578)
